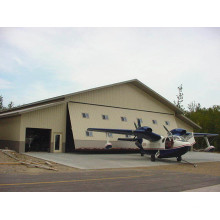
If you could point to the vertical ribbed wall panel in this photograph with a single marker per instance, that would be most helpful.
(126, 95)
(48, 118)
(10, 128)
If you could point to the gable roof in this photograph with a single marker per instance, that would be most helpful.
(58, 99)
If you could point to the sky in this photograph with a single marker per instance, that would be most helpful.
(40, 63)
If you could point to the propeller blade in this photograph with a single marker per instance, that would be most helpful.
(139, 123)
(135, 125)
(168, 132)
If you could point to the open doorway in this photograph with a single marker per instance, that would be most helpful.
(37, 139)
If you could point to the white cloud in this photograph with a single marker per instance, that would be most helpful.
(160, 58)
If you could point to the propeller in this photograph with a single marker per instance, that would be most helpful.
(139, 122)
(168, 132)
(135, 125)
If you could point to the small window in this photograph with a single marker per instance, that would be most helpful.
(167, 122)
(105, 117)
(140, 120)
(110, 135)
(123, 119)
(85, 115)
(128, 136)
(89, 133)
(154, 122)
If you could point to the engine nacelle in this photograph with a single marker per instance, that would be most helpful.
(178, 131)
(147, 129)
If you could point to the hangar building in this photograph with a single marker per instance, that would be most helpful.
(60, 124)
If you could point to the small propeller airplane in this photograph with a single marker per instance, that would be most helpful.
(175, 144)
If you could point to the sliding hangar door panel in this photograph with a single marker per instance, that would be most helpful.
(85, 115)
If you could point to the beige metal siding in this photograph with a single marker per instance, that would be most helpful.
(80, 124)
(182, 124)
(125, 95)
(10, 128)
(53, 118)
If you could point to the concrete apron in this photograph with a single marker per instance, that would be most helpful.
(103, 161)
(215, 188)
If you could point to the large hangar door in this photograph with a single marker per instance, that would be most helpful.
(70, 145)
(37, 139)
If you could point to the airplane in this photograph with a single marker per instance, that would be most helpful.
(175, 144)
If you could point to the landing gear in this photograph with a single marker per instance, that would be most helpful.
(179, 159)
(138, 143)
(152, 158)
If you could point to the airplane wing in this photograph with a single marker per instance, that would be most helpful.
(204, 135)
(181, 132)
(114, 131)
(140, 133)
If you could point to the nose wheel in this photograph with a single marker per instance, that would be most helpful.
(152, 158)
(179, 159)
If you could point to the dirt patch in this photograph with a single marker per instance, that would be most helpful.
(10, 165)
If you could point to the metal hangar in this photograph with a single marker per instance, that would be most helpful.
(60, 124)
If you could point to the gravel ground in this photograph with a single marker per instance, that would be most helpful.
(7, 168)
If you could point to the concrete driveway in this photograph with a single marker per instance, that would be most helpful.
(102, 161)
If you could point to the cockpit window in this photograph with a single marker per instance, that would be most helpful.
(169, 143)
(179, 138)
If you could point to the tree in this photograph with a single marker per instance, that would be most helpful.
(193, 106)
(10, 105)
(208, 119)
(1, 103)
(179, 98)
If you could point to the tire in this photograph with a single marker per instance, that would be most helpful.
(153, 158)
(179, 159)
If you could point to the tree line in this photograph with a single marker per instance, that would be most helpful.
(207, 118)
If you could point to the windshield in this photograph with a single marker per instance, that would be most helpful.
(179, 138)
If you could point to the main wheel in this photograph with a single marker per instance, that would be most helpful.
(152, 157)
(179, 159)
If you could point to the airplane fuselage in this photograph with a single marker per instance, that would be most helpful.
(166, 147)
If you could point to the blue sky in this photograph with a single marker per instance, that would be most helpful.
(39, 63)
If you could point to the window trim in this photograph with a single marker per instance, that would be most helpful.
(154, 121)
(105, 117)
(124, 119)
(167, 123)
(86, 115)
(110, 135)
(90, 133)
